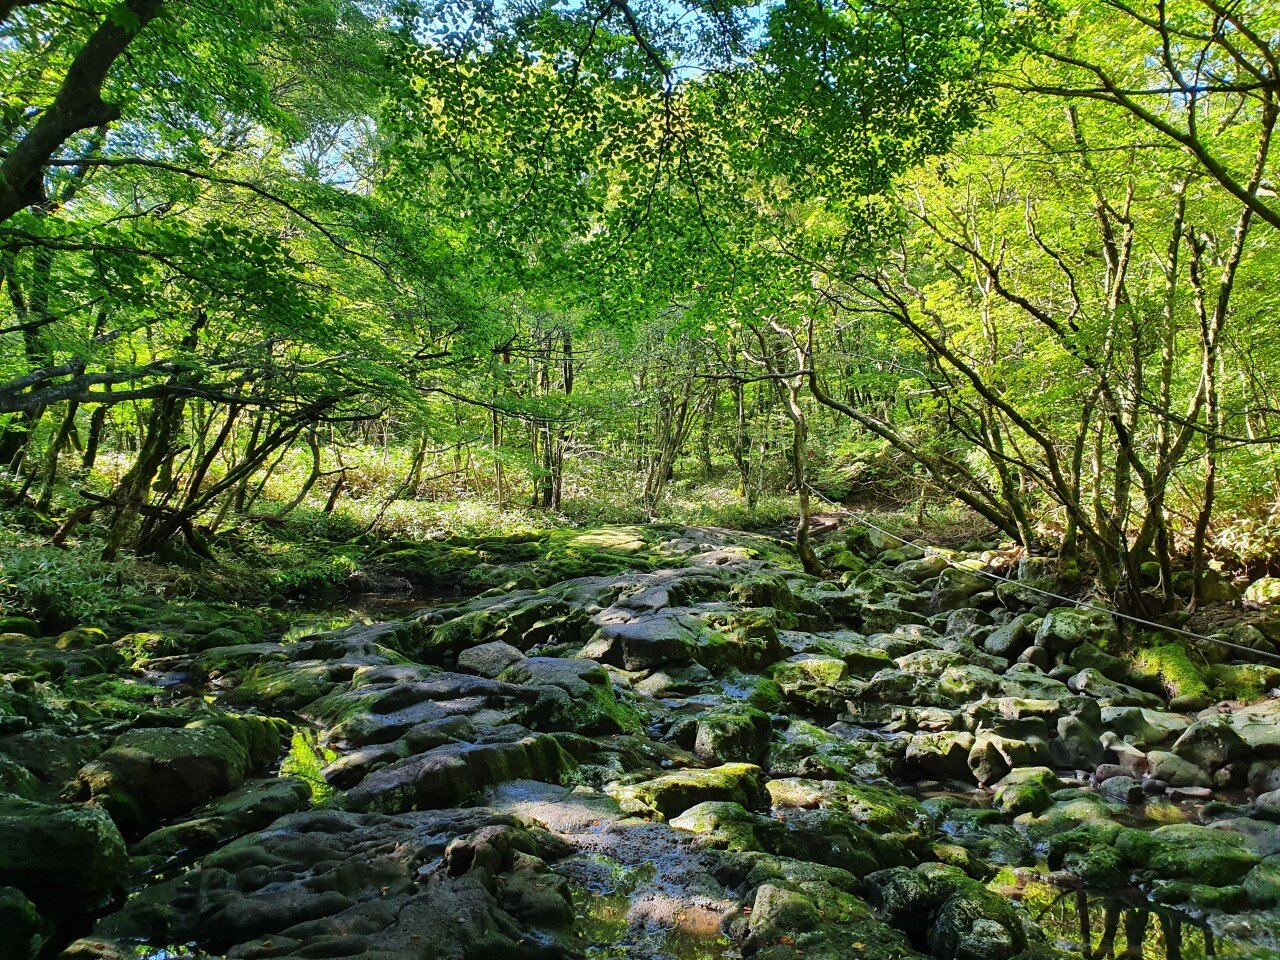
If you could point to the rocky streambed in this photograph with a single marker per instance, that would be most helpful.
(708, 755)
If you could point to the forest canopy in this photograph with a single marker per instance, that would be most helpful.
(260, 258)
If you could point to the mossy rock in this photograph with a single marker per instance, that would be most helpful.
(1089, 852)
(284, 686)
(24, 626)
(147, 776)
(1262, 883)
(578, 696)
(1182, 681)
(50, 851)
(1026, 790)
(732, 734)
(451, 775)
(725, 825)
(811, 671)
(750, 643)
(19, 925)
(673, 793)
(17, 780)
(879, 808)
(1185, 851)
(80, 638)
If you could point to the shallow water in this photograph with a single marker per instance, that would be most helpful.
(1124, 925)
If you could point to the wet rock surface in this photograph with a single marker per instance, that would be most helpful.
(694, 751)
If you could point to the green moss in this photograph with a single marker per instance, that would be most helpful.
(880, 808)
(1170, 665)
(601, 710)
(673, 793)
(1187, 852)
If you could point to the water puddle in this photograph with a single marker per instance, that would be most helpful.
(608, 935)
(1126, 925)
(604, 895)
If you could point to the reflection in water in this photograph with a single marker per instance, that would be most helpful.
(1114, 926)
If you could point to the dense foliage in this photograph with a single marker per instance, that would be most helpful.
(260, 256)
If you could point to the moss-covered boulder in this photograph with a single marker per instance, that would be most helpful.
(732, 734)
(954, 587)
(1182, 681)
(1262, 883)
(1065, 628)
(454, 773)
(673, 793)
(943, 755)
(993, 756)
(254, 806)
(1186, 851)
(147, 776)
(20, 937)
(1211, 744)
(1025, 790)
(942, 910)
(50, 851)
(647, 642)
(881, 808)
(1089, 852)
(726, 825)
(575, 695)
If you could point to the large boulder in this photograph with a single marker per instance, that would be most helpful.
(454, 773)
(489, 659)
(993, 756)
(1265, 590)
(1111, 692)
(1065, 628)
(449, 885)
(1010, 639)
(673, 793)
(20, 925)
(952, 916)
(732, 734)
(645, 643)
(254, 806)
(1187, 851)
(1211, 744)
(150, 775)
(50, 851)
(955, 587)
(943, 755)
(575, 695)
(1175, 771)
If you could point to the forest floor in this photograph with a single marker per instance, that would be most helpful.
(648, 741)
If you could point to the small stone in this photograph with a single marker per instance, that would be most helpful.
(1125, 789)
(1176, 771)
(1190, 794)
(1106, 771)
(489, 659)
(1154, 787)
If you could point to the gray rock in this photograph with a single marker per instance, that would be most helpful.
(1210, 744)
(488, 659)
(1176, 771)
(955, 586)
(1090, 681)
(49, 851)
(1122, 788)
(1065, 628)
